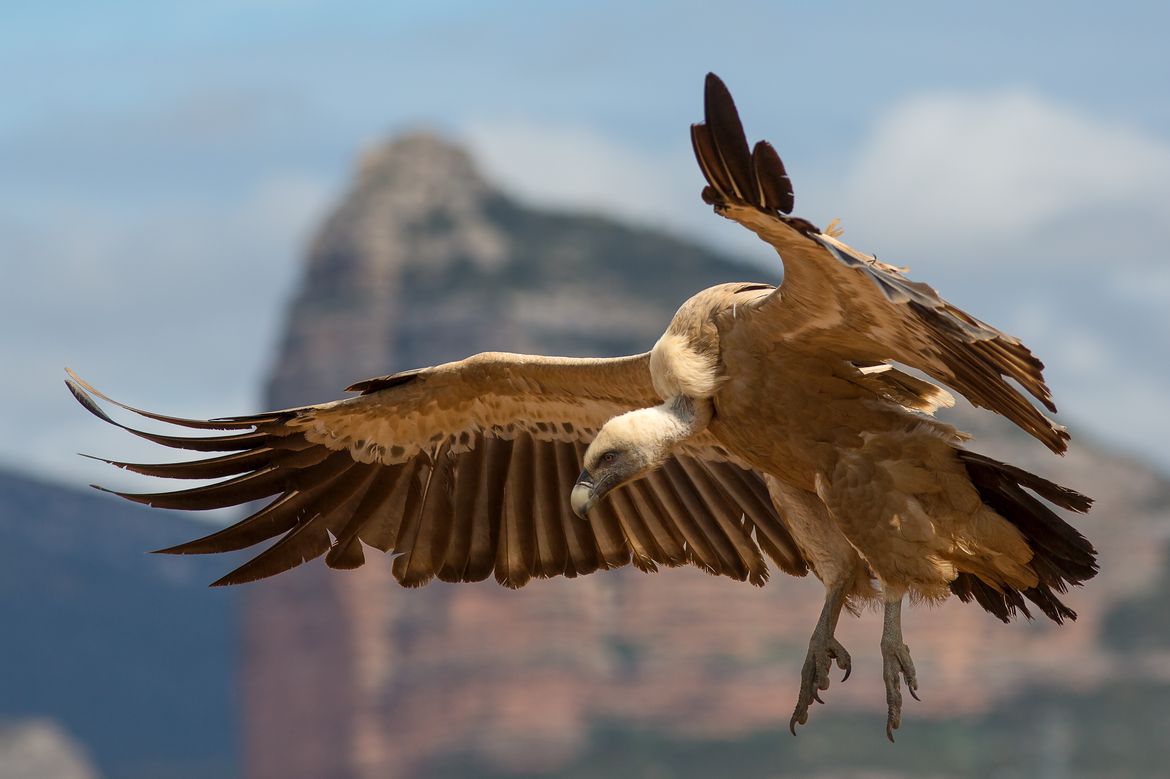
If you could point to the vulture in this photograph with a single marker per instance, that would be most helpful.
(768, 423)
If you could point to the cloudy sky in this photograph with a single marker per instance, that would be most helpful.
(162, 165)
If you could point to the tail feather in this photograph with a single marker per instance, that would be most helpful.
(1061, 555)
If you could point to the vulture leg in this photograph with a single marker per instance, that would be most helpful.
(823, 649)
(896, 663)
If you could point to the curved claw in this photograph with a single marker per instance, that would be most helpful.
(897, 666)
(814, 676)
(845, 663)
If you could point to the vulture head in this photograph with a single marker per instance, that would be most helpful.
(632, 445)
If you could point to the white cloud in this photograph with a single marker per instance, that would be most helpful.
(574, 167)
(180, 302)
(983, 168)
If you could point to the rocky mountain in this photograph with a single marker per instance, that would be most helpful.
(620, 673)
(126, 654)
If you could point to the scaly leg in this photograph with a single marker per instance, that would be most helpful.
(823, 649)
(895, 662)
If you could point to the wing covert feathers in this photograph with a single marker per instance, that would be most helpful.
(467, 506)
(836, 299)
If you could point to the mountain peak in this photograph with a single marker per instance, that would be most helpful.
(403, 190)
(418, 158)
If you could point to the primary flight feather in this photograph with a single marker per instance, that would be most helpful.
(767, 423)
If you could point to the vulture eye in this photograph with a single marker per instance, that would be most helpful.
(609, 457)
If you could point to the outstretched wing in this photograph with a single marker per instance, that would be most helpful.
(836, 299)
(460, 471)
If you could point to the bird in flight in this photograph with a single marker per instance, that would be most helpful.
(767, 423)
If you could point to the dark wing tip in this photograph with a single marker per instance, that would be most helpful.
(346, 556)
(726, 130)
(715, 92)
(87, 402)
(774, 185)
(754, 177)
(86, 392)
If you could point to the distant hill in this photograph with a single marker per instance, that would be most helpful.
(619, 673)
(129, 652)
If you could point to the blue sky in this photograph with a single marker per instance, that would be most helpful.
(163, 165)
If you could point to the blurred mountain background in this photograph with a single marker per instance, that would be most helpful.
(126, 665)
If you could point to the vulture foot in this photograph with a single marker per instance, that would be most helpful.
(896, 667)
(814, 677)
(823, 649)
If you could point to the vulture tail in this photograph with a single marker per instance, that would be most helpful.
(1062, 556)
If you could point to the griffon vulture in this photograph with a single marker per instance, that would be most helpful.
(767, 422)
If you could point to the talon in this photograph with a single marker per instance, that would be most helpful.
(823, 649)
(845, 663)
(897, 666)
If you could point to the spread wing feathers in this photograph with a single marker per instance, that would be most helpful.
(838, 299)
(488, 496)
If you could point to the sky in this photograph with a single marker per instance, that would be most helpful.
(162, 167)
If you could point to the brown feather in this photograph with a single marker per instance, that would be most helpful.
(728, 515)
(310, 538)
(728, 136)
(223, 443)
(516, 553)
(693, 506)
(385, 518)
(750, 493)
(82, 390)
(412, 509)
(422, 544)
(551, 545)
(487, 517)
(468, 472)
(581, 544)
(709, 162)
(347, 551)
(277, 517)
(644, 552)
(233, 492)
(774, 185)
(667, 539)
(701, 549)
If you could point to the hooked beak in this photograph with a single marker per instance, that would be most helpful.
(583, 495)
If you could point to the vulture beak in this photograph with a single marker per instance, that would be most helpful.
(583, 495)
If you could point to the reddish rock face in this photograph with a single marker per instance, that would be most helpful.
(347, 675)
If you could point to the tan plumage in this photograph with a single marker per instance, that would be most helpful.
(765, 423)
(464, 470)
